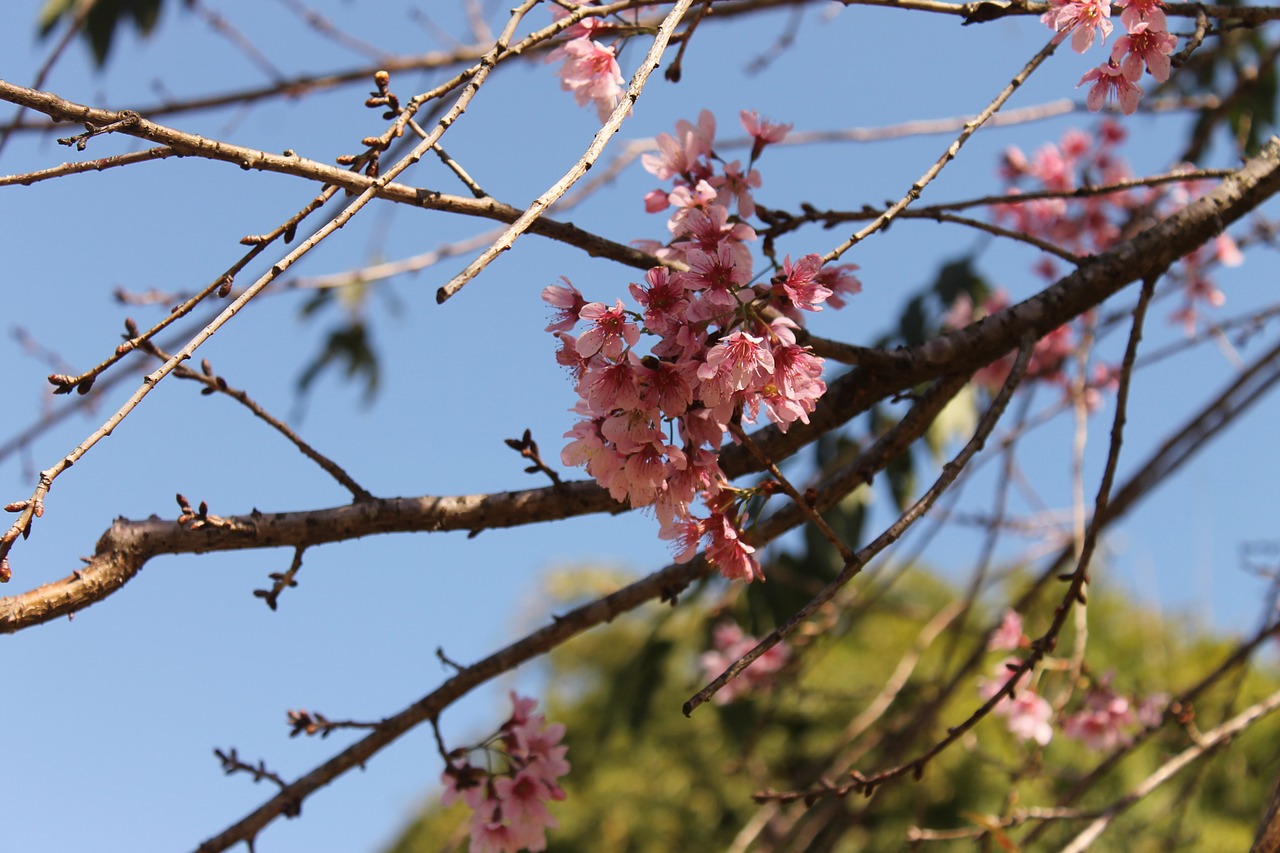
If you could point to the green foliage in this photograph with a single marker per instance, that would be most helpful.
(647, 780)
(348, 345)
(99, 26)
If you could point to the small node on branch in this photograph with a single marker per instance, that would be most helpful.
(128, 118)
(62, 383)
(528, 448)
(194, 519)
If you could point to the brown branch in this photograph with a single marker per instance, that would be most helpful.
(944, 390)
(187, 144)
(970, 127)
(119, 554)
(1208, 741)
(28, 178)
(601, 138)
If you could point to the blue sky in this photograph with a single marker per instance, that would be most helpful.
(112, 717)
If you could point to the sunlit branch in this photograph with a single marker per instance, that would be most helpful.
(535, 210)
(1209, 741)
(953, 149)
(102, 164)
(247, 158)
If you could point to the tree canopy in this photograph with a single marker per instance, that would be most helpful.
(883, 353)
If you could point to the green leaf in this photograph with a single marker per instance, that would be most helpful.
(52, 13)
(349, 347)
(958, 278)
(102, 21)
(957, 420)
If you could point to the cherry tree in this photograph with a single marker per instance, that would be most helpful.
(713, 404)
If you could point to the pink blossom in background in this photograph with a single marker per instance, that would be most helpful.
(1028, 717)
(1151, 709)
(730, 643)
(584, 27)
(1103, 722)
(1009, 635)
(1027, 714)
(509, 808)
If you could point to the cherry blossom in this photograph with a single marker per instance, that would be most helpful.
(1144, 46)
(591, 72)
(763, 132)
(610, 332)
(1103, 722)
(509, 807)
(1026, 713)
(652, 425)
(730, 643)
(1110, 82)
(1082, 18)
(798, 283)
(1137, 11)
(567, 301)
(1009, 635)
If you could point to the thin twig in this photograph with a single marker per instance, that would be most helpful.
(535, 210)
(947, 156)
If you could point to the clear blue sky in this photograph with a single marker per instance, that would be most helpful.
(110, 719)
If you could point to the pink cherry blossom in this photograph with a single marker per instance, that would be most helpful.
(1102, 723)
(656, 201)
(508, 806)
(1110, 82)
(738, 362)
(798, 283)
(763, 132)
(730, 643)
(1136, 11)
(1151, 709)
(614, 386)
(1082, 18)
(841, 281)
(683, 155)
(567, 301)
(1028, 717)
(610, 332)
(1009, 635)
(1144, 46)
(1026, 714)
(591, 73)
(664, 300)
(734, 186)
(728, 553)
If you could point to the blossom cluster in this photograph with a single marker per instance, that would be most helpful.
(723, 349)
(728, 644)
(1105, 720)
(1146, 44)
(509, 807)
(1094, 223)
